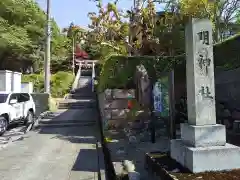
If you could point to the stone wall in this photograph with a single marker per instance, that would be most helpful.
(113, 106)
(227, 87)
(41, 102)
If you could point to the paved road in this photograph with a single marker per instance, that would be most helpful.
(66, 151)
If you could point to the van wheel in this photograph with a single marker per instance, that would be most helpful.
(29, 119)
(3, 125)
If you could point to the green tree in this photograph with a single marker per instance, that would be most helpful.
(223, 13)
(108, 32)
(22, 37)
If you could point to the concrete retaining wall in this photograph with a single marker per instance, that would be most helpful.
(41, 101)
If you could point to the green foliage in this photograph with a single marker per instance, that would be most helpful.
(37, 80)
(108, 31)
(226, 53)
(61, 82)
(119, 71)
(22, 37)
(238, 17)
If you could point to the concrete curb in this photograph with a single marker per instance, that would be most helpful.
(101, 172)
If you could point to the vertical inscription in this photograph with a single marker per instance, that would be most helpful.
(205, 92)
(204, 37)
(204, 60)
(200, 73)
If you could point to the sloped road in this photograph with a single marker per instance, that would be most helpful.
(62, 148)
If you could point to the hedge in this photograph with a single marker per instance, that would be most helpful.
(61, 82)
(119, 71)
(226, 53)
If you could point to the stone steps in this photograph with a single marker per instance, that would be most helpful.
(52, 121)
(76, 105)
(63, 125)
(86, 72)
(80, 96)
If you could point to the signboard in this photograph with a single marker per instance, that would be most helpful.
(157, 97)
(161, 96)
(163, 103)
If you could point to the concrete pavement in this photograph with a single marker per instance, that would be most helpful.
(63, 152)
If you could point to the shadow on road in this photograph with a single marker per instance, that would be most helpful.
(83, 161)
(77, 125)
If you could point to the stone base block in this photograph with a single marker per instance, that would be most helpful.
(202, 159)
(203, 136)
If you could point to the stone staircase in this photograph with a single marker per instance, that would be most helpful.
(67, 118)
(83, 97)
(77, 104)
(78, 109)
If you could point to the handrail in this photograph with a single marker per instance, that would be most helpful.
(93, 76)
(76, 80)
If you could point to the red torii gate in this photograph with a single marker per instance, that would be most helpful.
(80, 54)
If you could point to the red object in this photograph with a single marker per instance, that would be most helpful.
(81, 54)
(130, 104)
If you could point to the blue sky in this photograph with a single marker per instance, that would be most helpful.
(67, 11)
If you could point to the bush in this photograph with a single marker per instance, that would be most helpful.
(226, 53)
(61, 83)
(37, 80)
(119, 71)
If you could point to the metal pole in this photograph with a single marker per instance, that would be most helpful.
(153, 115)
(73, 55)
(47, 51)
(172, 106)
(93, 75)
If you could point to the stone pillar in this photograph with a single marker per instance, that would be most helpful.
(202, 146)
(200, 73)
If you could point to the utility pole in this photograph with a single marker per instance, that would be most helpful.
(47, 64)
